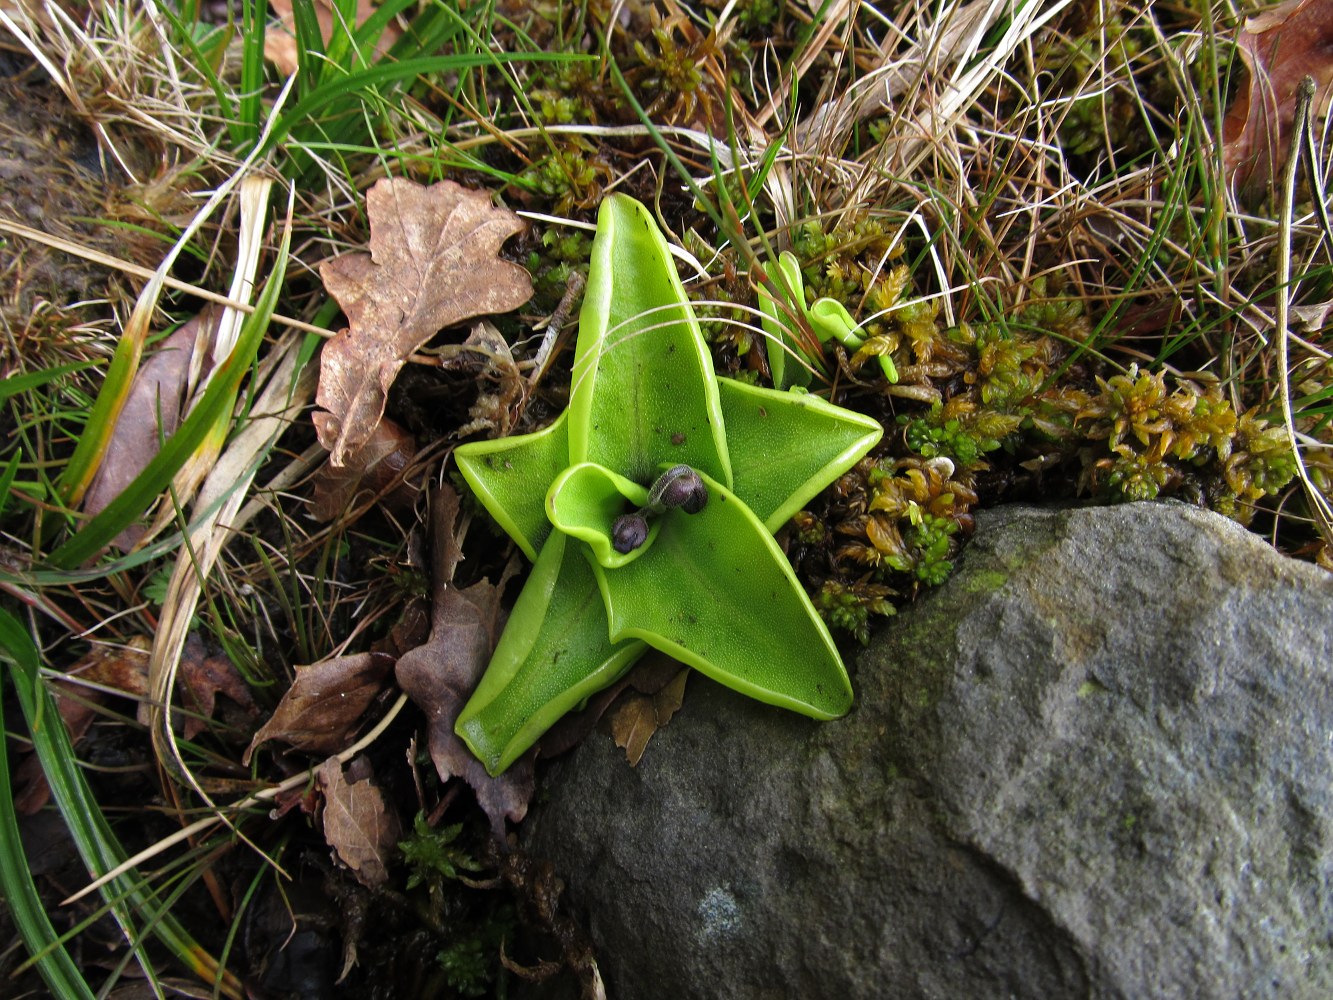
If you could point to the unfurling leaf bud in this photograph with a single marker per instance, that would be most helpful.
(628, 532)
(681, 487)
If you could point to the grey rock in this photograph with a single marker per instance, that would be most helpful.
(1097, 762)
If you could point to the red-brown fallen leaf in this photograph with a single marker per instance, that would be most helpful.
(151, 414)
(118, 668)
(1280, 47)
(325, 703)
(374, 468)
(433, 262)
(635, 719)
(205, 677)
(280, 43)
(440, 675)
(358, 825)
(302, 796)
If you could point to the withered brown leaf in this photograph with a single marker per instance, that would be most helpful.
(1279, 47)
(204, 678)
(358, 825)
(647, 677)
(434, 261)
(375, 467)
(440, 675)
(325, 703)
(491, 411)
(151, 414)
(638, 717)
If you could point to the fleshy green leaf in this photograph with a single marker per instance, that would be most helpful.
(584, 502)
(786, 274)
(716, 592)
(554, 652)
(644, 394)
(510, 476)
(831, 321)
(828, 317)
(787, 446)
(711, 588)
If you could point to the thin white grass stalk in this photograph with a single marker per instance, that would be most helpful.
(254, 210)
(225, 489)
(35, 50)
(836, 13)
(940, 276)
(1028, 19)
(254, 204)
(168, 50)
(137, 326)
(249, 802)
(1319, 505)
(66, 26)
(127, 267)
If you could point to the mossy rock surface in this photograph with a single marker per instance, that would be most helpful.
(1095, 763)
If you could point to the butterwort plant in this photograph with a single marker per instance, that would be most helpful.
(649, 507)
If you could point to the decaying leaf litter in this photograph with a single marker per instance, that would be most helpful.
(1069, 311)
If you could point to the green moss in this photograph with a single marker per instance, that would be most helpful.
(957, 436)
(1090, 687)
(571, 176)
(983, 581)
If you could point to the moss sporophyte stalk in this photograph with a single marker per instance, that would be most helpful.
(649, 507)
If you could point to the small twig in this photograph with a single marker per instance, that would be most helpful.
(573, 289)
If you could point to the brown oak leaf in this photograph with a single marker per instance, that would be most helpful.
(433, 262)
(358, 825)
(325, 703)
(1279, 47)
(440, 675)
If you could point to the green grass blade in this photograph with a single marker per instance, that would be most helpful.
(214, 407)
(309, 46)
(368, 33)
(126, 895)
(7, 479)
(53, 962)
(306, 108)
(251, 106)
(16, 384)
